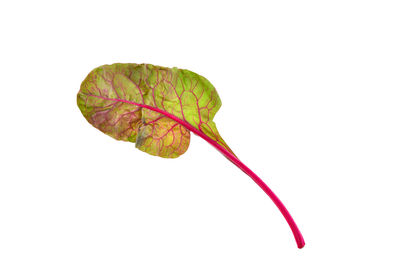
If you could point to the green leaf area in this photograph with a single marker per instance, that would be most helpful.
(146, 105)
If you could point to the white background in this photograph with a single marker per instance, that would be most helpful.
(310, 93)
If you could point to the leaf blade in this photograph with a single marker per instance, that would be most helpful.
(181, 93)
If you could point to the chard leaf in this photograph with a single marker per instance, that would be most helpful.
(157, 108)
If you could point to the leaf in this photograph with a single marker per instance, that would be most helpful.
(157, 108)
(107, 94)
